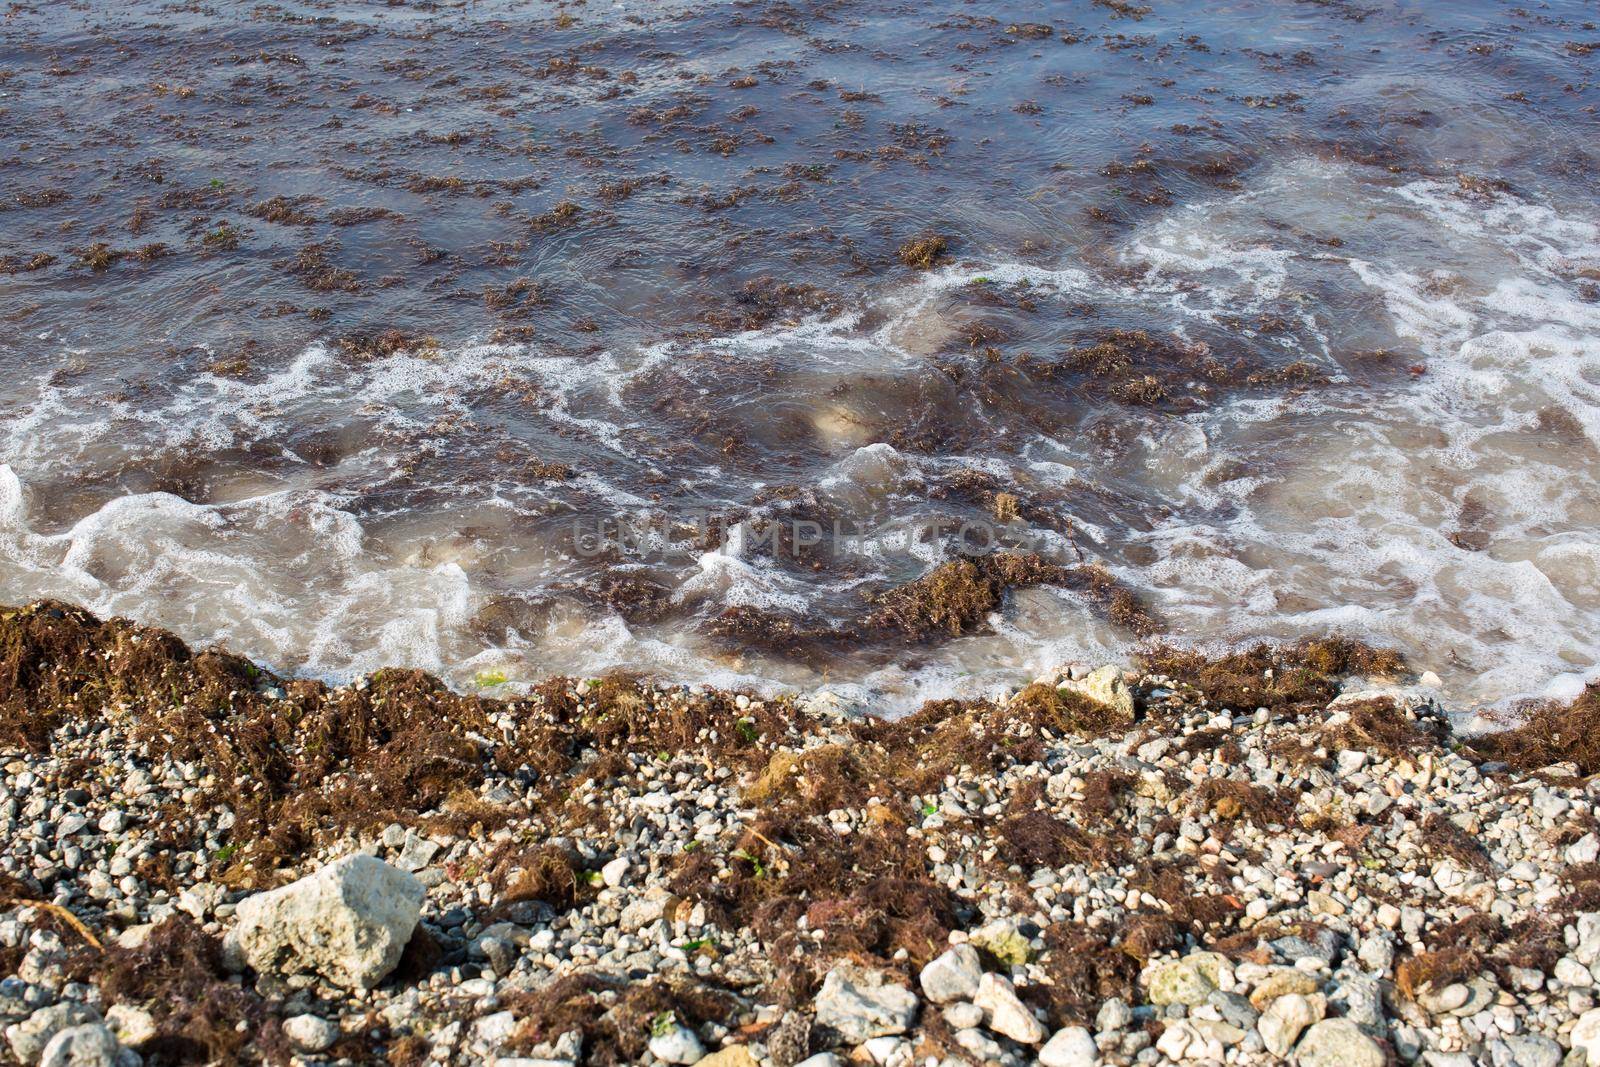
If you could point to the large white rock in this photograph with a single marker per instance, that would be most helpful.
(1585, 1034)
(1287, 1017)
(862, 1004)
(348, 923)
(1004, 1012)
(952, 976)
(1105, 685)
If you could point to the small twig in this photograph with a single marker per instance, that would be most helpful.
(779, 849)
(1073, 541)
(64, 915)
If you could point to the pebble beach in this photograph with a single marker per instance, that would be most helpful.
(1255, 860)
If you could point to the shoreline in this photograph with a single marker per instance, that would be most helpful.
(1236, 860)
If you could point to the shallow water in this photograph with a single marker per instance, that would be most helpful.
(637, 264)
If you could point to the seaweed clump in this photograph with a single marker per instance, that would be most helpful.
(1036, 839)
(1086, 968)
(289, 763)
(1139, 369)
(616, 1018)
(1295, 678)
(814, 895)
(380, 344)
(763, 300)
(299, 763)
(176, 972)
(955, 597)
(1549, 734)
(1441, 837)
(1384, 727)
(924, 253)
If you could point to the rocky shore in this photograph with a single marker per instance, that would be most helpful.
(1281, 855)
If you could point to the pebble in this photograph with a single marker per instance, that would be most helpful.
(675, 1043)
(310, 1033)
(1071, 1046)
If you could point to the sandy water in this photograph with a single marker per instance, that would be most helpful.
(337, 332)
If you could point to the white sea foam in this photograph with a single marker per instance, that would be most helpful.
(1452, 512)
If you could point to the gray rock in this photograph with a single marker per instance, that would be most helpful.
(1324, 946)
(1338, 1043)
(501, 956)
(417, 852)
(1351, 760)
(1234, 1009)
(1527, 1050)
(29, 1037)
(962, 1015)
(1447, 999)
(1584, 850)
(348, 922)
(1587, 929)
(952, 976)
(1376, 953)
(980, 1044)
(885, 1052)
(862, 1004)
(1114, 1015)
(644, 910)
(1361, 998)
(492, 1031)
(88, 1045)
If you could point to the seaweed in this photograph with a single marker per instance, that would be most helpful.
(616, 1017)
(1441, 837)
(176, 973)
(1550, 733)
(957, 596)
(1383, 727)
(1294, 678)
(1230, 799)
(1085, 968)
(546, 873)
(1437, 969)
(1037, 839)
(924, 253)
